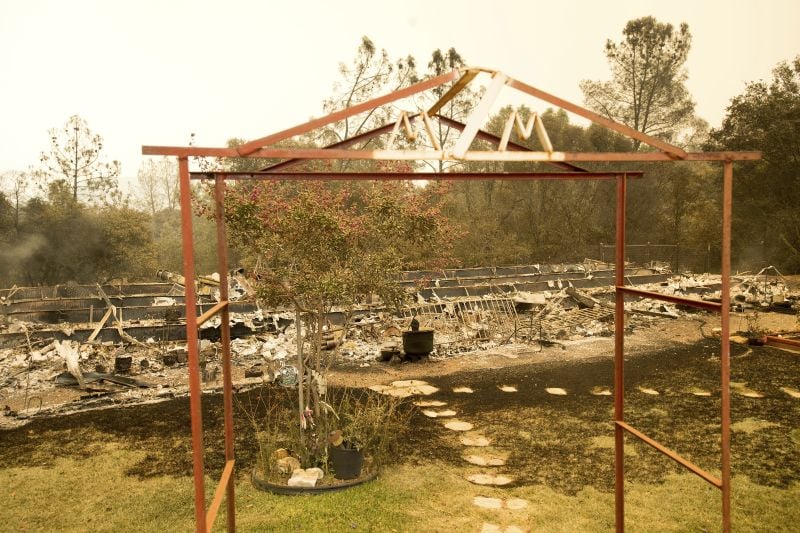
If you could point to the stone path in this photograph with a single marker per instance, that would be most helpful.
(476, 444)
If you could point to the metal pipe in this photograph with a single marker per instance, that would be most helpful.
(725, 357)
(432, 176)
(195, 390)
(694, 302)
(773, 340)
(671, 454)
(225, 329)
(619, 344)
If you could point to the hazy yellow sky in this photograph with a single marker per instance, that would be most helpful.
(152, 72)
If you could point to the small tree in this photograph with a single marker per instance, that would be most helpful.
(75, 157)
(315, 246)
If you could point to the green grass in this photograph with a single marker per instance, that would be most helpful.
(96, 495)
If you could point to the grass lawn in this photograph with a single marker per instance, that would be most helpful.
(97, 495)
(129, 468)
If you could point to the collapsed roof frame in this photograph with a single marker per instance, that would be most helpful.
(506, 152)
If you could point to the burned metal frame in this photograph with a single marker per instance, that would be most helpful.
(260, 148)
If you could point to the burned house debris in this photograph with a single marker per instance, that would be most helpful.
(119, 343)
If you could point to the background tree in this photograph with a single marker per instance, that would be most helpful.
(766, 117)
(75, 157)
(158, 185)
(647, 88)
(370, 74)
(15, 186)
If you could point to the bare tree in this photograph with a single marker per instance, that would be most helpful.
(75, 158)
(16, 186)
(158, 184)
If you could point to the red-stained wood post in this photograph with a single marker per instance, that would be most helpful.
(619, 346)
(725, 356)
(195, 389)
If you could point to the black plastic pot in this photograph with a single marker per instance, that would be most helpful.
(418, 342)
(346, 463)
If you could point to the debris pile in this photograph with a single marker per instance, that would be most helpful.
(125, 343)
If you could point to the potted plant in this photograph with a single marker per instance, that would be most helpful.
(347, 457)
(369, 427)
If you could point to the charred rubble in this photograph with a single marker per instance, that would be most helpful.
(119, 343)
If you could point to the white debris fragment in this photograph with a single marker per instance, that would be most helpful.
(70, 354)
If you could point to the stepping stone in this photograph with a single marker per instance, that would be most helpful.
(436, 414)
(475, 440)
(497, 480)
(484, 460)
(600, 391)
(513, 504)
(651, 392)
(507, 388)
(791, 392)
(430, 403)
(492, 528)
(699, 392)
(458, 425)
(556, 391)
(405, 388)
(465, 390)
(488, 503)
(408, 383)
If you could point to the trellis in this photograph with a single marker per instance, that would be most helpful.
(506, 151)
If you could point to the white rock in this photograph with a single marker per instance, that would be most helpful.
(302, 478)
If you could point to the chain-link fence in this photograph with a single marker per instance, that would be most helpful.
(682, 258)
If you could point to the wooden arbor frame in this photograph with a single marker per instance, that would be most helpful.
(507, 151)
